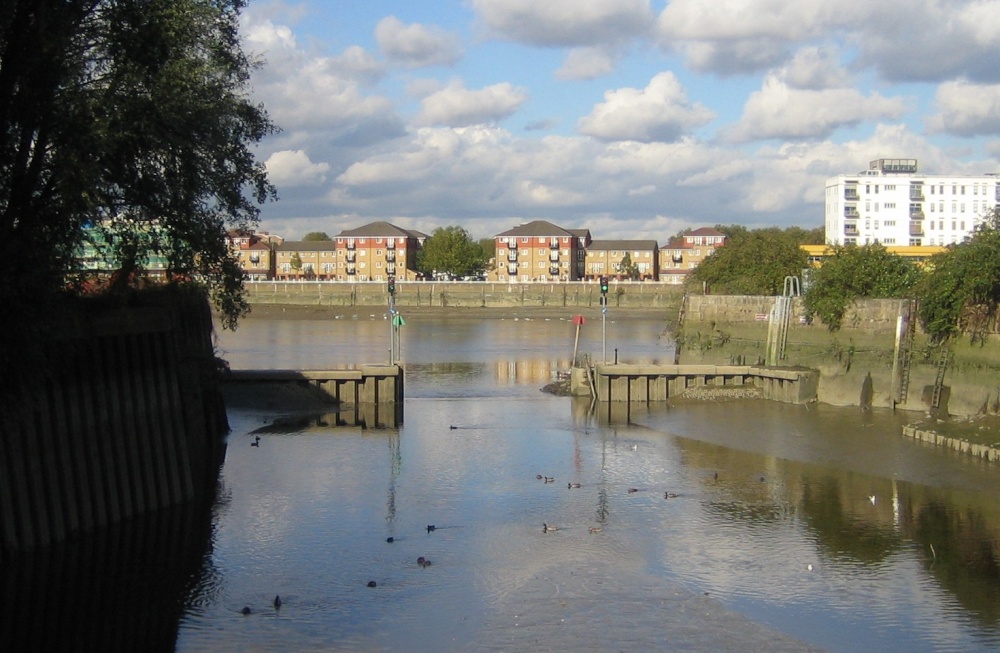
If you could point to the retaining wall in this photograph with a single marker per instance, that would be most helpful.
(126, 420)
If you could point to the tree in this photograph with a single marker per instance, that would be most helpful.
(853, 272)
(489, 248)
(129, 119)
(627, 268)
(961, 292)
(317, 236)
(751, 263)
(296, 262)
(451, 250)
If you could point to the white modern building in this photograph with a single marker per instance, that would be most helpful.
(892, 204)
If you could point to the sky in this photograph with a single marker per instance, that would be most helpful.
(631, 118)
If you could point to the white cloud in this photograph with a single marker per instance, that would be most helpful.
(779, 111)
(561, 23)
(306, 91)
(902, 39)
(659, 112)
(586, 63)
(416, 45)
(929, 40)
(457, 106)
(293, 168)
(814, 68)
(739, 36)
(365, 139)
(966, 109)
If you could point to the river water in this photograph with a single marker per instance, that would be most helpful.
(733, 526)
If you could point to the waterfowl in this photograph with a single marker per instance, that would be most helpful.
(633, 490)
(546, 528)
(538, 476)
(246, 610)
(256, 442)
(669, 495)
(595, 529)
(549, 479)
(372, 583)
(431, 527)
(277, 602)
(423, 562)
(872, 499)
(572, 485)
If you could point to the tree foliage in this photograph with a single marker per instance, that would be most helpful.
(130, 118)
(961, 292)
(316, 236)
(751, 263)
(627, 268)
(854, 272)
(451, 250)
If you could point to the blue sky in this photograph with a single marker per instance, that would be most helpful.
(632, 118)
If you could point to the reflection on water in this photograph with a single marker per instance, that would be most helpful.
(696, 527)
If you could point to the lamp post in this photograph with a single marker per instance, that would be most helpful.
(604, 316)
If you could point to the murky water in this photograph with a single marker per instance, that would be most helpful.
(731, 526)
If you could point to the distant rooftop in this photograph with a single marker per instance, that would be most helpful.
(894, 166)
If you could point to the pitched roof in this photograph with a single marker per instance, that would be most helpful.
(379, 229)
(648, 245)
(307, 246)
(536, 228)
(678, 242)
(706, 231)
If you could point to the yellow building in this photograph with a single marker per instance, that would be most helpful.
(540, 251)
(680, 256)
(377, 251)
(255, 253)
(605, 257)
(305, 260)
(919, 253)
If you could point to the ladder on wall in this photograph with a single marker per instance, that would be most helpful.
(680, 328)
(777, 328)
(944, 356)
(905, 357)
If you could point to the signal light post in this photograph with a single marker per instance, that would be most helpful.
(392, 319)
(604, 316)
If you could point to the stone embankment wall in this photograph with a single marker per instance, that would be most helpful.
(478, 294)
(125, 420)
(733, 330)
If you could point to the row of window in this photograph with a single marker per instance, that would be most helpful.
(955, 224)
(330, 254)
(934, 189)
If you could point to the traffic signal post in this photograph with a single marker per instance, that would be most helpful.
(604, 317)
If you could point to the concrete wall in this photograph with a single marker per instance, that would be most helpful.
(126, 420)
(467, 294)
(727, 330)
